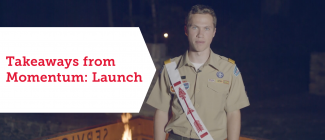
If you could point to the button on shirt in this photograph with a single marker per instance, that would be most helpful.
(215, 89)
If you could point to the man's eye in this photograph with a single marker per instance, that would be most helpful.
(194, 27)
(207, 28)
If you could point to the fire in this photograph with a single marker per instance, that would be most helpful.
(127, 134)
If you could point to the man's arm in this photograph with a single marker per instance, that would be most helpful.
(160, 121)
(233, 125)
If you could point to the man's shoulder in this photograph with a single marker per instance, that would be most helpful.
(229, 65)
(226, 59)
(176, 59)
(225, 62)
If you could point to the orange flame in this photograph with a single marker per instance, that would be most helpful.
(127, 134)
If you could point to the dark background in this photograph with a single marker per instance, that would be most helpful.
(270, 40)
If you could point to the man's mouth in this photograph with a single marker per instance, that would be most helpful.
(199, 42)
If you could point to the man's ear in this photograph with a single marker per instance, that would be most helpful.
(185, 29)
(214, 32)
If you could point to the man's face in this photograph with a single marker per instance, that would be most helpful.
(200, 32)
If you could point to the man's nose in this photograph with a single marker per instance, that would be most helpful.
(199, 34)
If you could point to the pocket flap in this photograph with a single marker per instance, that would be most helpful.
(219, 87)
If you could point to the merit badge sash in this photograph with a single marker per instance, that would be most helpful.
(185, 101)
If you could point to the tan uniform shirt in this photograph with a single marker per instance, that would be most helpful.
(216, 88)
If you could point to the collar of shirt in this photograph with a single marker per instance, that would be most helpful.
(212, 60)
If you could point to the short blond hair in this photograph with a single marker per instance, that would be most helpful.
(201, 9)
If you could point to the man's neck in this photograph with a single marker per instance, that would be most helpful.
(199, 57)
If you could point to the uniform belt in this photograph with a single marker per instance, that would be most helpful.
(173, 136)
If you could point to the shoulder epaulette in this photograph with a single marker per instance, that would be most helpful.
(228, 59)
(231, 61)
(167, 61)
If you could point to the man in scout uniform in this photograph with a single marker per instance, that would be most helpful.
(204, 90)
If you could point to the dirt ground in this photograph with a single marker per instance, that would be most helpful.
(286, 117)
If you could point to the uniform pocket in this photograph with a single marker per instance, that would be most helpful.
(219, 88)
(216, 96)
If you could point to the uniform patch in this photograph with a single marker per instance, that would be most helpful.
(211, 80)
(184, 81)
(183, 77)
(187, 85)
(219, 81)
(220, 74)
(225, 82)
(172, 89)
(236, 71)
(177, 83)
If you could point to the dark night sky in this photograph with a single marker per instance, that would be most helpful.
(270, 41)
